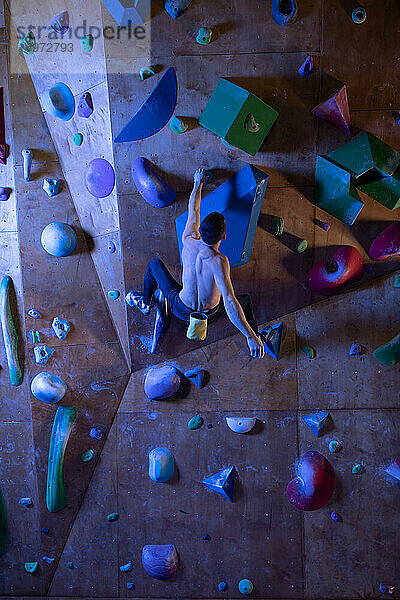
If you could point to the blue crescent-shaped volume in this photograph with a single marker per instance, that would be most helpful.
(154, 113)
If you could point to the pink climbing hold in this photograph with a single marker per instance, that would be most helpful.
(335, 109)
(327, 277)
(387, 243)
(314, 484)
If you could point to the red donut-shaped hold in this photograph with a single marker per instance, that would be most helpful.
(387, 243)
(326, 277)
(314, 484)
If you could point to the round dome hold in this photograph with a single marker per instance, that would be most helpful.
(162, 382)
(160, 561)
(59, 101)
(48, 388)
(100, 178)
(58, 239)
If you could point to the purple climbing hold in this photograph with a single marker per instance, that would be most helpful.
(162, 382)
(4, 194)
(85, 105)
(150, 185)
(100, 178)
(160, 562)
(306, 67)
(336, 517)
(322, 224)
(386, 588)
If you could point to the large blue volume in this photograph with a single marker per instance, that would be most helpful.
(239, 199)
(154, 113)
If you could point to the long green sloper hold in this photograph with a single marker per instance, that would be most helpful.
(389, 354)
(10, 334)
(56, 496)
(3, 524)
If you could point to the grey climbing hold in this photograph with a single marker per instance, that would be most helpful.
(26, 502)
(51, 186)
(34, 314)
(195, 422)
(334, 446)
(197, 376)
(113, 294)
(241, 424)
(355, 350)
(250, 124)
(204, 36)
(58, 239)
(96, 434)
(27, 155)
(87, 455)
(60, 23)
(125, 568)
(42, 354)
(112, 517)
(61, 327)
(278, 225)
(48, 388)
(162, 382)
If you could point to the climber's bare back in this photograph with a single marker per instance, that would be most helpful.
(201, 264)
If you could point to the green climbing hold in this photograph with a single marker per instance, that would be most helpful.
(113, 294)
(88, 455)
(87, 42)
(309, 351)
(30, 567)
(177, 125)
(27, 45)
(389, 354)
(397, 282)
(196, 422)
(112, 517)
(204, 36)
(301, 246)
(334, 446)
(277, 226)
(77, 139)
(357, 469)
(146, 72)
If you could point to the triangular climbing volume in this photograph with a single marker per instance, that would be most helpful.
(335, 109)
(223, 483)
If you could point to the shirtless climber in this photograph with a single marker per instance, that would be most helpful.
(207, 285)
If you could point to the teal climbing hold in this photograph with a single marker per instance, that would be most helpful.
(112, 517)
(195, 422)
(245, 587)
(316, 421)
(223, 483)
(178, 125)
(77, 139)
(113, 294)
(146, 72)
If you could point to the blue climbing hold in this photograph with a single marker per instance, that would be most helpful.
(59, 101)
(239, 199)
(316, 421)
(154, 113)
(161, 465)
(176, 7)
(223, 483)
(273, 337)
(222, 586)
(150, 185)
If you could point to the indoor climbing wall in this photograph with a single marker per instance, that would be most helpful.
(200, 485)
